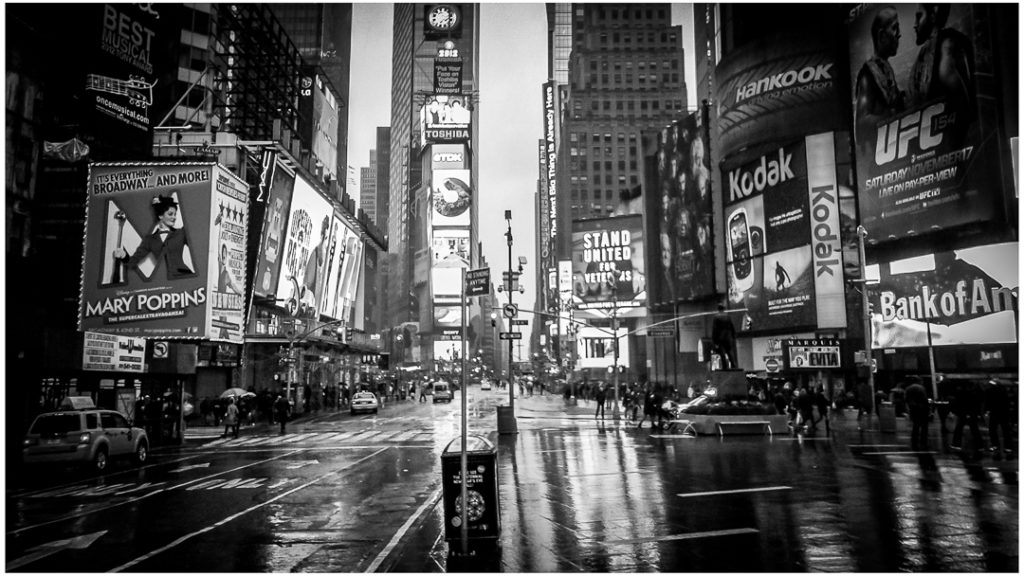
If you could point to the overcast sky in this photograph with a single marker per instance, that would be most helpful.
(513, 56)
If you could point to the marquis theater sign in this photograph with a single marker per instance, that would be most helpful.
(164, 251)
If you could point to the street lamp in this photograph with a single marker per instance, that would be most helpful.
(508, 237)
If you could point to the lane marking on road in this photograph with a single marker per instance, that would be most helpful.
(622, 473)
(552, 450)
(875, 445)
(107, 477)
(899, 453)
(689, 536)
(431, 501)
(738, 491)
(691, 436)
(224, 521)
(153, 493)
(802, 439)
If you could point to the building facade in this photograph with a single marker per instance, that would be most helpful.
(625, 80)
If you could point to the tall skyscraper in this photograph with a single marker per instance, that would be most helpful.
(323, 34)
(368, 187)
(381, 194)
(432, 169)
(626, 79)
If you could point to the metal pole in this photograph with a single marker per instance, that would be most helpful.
(463, 471)
(615, 360)
(862, 233)
(931, 361)
(508, 288)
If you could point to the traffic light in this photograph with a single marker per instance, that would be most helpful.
(348, 334)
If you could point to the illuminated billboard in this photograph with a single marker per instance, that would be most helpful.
(966, 296)
(318, 118)
(164, 251)
(450, 197)
(445, 119)
(924, 116)
(304, 268)
(450, 256)
(679, 216)
(279, 200)
(784, 256)
(608, 263)
(595, 347)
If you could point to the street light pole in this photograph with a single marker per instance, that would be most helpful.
(862, 233)
(508, 236)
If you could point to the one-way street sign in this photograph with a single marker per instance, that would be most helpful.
(511, 336)
(520, 322)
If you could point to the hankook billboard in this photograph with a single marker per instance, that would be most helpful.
(924, 117)
(164, 252)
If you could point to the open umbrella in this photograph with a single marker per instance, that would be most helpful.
(239, 392)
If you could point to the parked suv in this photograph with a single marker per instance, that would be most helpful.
(85, 436)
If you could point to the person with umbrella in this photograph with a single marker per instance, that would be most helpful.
(231, 419)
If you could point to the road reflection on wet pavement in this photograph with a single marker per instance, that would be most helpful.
(579, 495)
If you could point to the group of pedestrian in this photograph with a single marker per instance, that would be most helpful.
(806, 407)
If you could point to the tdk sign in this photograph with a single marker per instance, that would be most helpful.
(743, 183)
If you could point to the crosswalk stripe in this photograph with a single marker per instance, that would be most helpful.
(404, 436)
(298, 437)
(364, 435)
(329, 437)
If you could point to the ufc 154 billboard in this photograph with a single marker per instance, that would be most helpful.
(924, 117)
(164, 251)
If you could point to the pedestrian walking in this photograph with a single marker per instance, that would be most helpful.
(600, 403)
(917, 406)
(997, 404)
(231, 419)
(281, 409)
(823, 404)
(805, 408)
(863, 400)
(650, 408)
(967, 405)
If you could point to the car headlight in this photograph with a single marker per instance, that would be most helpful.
(84, 438)
(30, 442)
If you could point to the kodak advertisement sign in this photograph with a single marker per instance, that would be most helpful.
(164, 253)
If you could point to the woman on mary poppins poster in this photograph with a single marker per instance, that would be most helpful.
(165, 243)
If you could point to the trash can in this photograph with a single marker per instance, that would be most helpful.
(481, 488)
(887, 417)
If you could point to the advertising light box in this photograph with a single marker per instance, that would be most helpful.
(450, 197)
(164, 251)
(279, 200)
(608, 263)
(965, 296)
(595, 347)
(925, 119)
(445, 119)
(304, 268)
(679, 217)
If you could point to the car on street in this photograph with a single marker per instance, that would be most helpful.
(83, 436)
(485, 384)
(364, 402)
(442, 392)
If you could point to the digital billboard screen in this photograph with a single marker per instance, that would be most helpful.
(608, 268)
(445, 119)
(450, 196)
(925, 120)
(966, 296)
(679, 217)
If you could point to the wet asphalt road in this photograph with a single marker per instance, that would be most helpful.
(355, 494)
